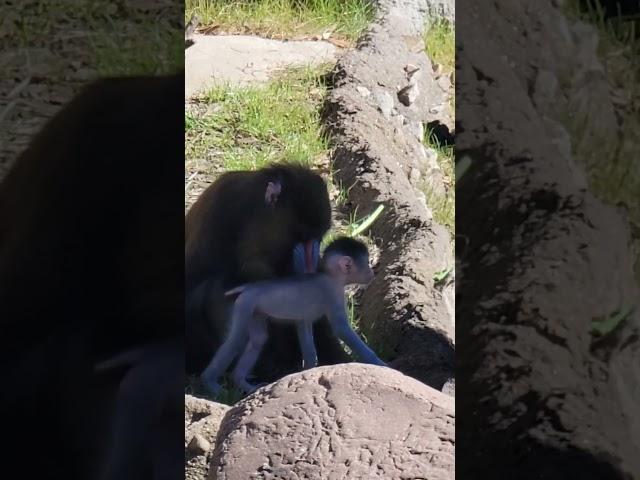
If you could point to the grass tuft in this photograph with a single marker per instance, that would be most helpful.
(156, 52)
(442, 206)
(245, 128)
(616, 180)
(345, 19)
(440, 44)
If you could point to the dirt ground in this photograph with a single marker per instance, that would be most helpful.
(51, 49)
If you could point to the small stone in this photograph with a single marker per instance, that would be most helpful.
(414, 76)
(444, 83)
(412, 72)
(415, 176)
(398, 133)
(199, 445)
(437, 69)
(429, 159)
(408, 95)
(449, 388)
(423, 200)
(191, 27)
(364, 91)
(384, 102)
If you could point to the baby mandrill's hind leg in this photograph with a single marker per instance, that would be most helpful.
(240, 321)
(257, 338)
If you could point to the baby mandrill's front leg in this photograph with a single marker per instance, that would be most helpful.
(304, 330)
(344, 332)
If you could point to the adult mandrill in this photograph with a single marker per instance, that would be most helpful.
(244, 228)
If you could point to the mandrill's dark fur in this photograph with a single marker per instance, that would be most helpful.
(91, 265)
(234, 237)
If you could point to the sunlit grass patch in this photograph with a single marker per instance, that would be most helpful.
(285, 18)
(442, 206)
(245, 128)
(440, 44)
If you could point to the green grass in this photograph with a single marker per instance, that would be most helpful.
(107, 38)
(605, 325)
(443, 206)
(345, 19)
(249, 127)
(143, 49)
(618, 180)
(440, 44)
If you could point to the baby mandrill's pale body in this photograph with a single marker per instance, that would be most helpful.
(300, 300)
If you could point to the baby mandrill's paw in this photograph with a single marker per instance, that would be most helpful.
(258, 386)
(211, 385)
(379, 362)
(249, 388)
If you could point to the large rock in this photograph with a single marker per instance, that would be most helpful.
(246, 59)
(349, 421)
(378, 145)
(201, 421)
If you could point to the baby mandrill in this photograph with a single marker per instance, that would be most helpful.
(300, 300)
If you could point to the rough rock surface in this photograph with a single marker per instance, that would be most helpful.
(201, 421)
(350, 421)
(244, 59)
(378, 143)
(547, 397)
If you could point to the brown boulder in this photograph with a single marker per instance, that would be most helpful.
(350, 421)
(378, 151)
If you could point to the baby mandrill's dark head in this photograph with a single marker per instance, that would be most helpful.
(352, 256)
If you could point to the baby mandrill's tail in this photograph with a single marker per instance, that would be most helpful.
(235, 291)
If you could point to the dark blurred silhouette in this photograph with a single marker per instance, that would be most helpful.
(91, 265)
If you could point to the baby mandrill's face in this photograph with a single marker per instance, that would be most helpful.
(361, 272)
